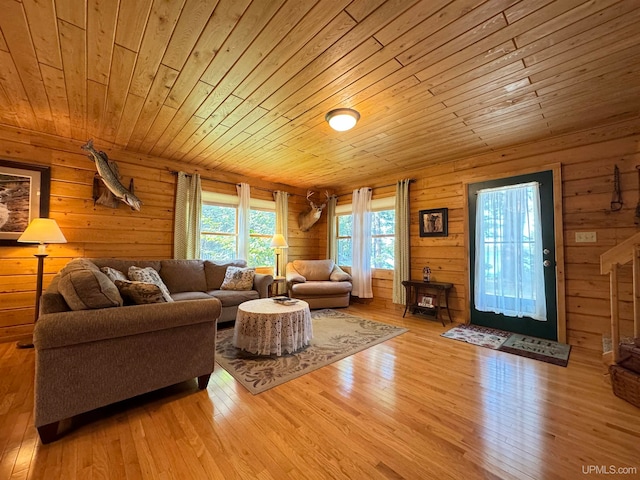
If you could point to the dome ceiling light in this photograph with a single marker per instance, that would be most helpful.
(342, 119)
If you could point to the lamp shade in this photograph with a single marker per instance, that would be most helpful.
(342, 119)
(42, 231)
(278, 241)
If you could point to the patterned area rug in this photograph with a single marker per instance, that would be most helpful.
(336, 335)
(522, 345)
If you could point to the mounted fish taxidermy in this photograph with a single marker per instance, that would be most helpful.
(109, 175)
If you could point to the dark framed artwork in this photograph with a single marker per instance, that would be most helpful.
(24, 195)
(434, 222)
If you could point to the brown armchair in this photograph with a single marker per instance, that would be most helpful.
(320, 283)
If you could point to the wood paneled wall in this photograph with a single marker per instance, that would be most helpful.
(588, 159)
(98, 231)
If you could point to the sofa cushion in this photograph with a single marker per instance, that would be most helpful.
(149, 275)
(321, 288)
(87, 288)
(314, 270)
(215, 272)
(113, 274)
(189, 296)
(139, 293)
(183, 275)
(124, 264)
(238, 278)
(231, 298)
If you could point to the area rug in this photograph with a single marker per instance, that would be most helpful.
(522, 345)
(336, 335)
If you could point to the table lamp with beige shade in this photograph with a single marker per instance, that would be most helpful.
(41, 231)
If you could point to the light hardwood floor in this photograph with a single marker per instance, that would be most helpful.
(415, 407)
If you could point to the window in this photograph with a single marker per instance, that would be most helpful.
(262, 226)
(218, 232)
(383, 228)
(382, 234)
(219, 229)
(345, 225)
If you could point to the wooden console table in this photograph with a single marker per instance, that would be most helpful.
(437, 291)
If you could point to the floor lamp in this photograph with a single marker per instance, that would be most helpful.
(41, 231)
(278, 242)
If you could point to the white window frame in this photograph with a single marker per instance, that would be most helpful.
(227, 200)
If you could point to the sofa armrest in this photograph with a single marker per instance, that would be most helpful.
(339, 275)
(83, 326)
(292, 275)
(261, 282)
(53, 303)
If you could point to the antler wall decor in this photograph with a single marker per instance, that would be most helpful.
(307, 219)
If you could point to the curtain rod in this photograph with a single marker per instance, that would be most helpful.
(173, 172)
(411, 180)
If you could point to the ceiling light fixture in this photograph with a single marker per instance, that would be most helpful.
(342, 119)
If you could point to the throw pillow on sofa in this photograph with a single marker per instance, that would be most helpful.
(114, 274)
(87, 289)
(238, 279)
(139, 293)
(215, 272)
(149, 275)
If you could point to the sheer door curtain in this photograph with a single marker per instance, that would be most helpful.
(509, 277)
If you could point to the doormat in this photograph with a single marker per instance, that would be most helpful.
(523, 345)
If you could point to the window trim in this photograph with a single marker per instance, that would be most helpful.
(232, 201)
(227, 200)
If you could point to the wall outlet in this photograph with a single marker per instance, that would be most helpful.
(586, 237)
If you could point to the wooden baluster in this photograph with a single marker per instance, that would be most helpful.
(636, 293)
(615, 326)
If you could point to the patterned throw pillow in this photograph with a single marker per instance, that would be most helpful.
(238, 278)
(114, 274)
(149, 275)
(139, 293)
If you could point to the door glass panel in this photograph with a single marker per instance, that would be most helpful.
(509, 272)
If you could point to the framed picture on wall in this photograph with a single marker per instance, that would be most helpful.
(434, 222)
(24, 195)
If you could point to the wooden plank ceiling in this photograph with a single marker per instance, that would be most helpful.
(243, 85)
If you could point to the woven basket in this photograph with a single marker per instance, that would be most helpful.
(630, 357)
(626, 384)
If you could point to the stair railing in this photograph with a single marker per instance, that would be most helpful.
(610, 261)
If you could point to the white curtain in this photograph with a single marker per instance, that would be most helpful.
(402, 246)
(361, 244)
(509, 276)
(282, 225)
(332, 244)
(186, 234)
(244, 195)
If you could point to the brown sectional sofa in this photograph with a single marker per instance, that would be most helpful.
(89, 358)
(185, 279)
